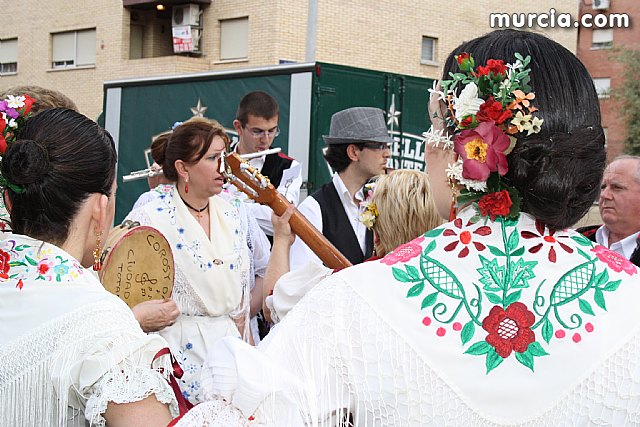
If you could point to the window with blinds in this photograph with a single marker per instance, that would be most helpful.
(73, 49)
(234, 39)
(602, 38)
(603, 86)
(428, 55)
(8, 56)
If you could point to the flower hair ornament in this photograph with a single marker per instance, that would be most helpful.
(370, 212)
(14, 111)
(486, 106)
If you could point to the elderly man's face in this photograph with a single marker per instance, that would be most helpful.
(620, 197)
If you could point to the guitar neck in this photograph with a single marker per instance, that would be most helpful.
(249, 180)
(317, 242)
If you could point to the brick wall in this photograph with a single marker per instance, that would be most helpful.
(380, 34)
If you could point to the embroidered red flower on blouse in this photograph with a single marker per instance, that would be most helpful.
(465, 237)
(510, 329)
(549, 239)
(43, 268)
(404, 253)
(614, 260)
(4, 264)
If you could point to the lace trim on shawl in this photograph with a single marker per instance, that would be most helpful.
(214, 413)
(349, 357)
(30, 361)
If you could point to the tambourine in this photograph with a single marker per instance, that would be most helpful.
(137, 264)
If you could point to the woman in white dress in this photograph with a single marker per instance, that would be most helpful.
(71, 352)
(213, 245)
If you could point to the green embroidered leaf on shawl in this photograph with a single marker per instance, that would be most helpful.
(601, 278)
(612, 286)
(573, 284)
(493, 360)
(413, 272)
(494, 298)
(491, 275)
(21, 247)
(429, 300)
(582, 241)
(512, 242)
(522, 271)
(536, 349)
(547, 330)
(479, 348)
(400, 275)
(511, 298)
(430, 247)
(434, 232)
(598, 298)
(17, 263)
(518, 252)
(495, 251)
(468, 330)
(585, 307)
(525, 358)
(584, 254)
(31, 260)
(415, 290)
(440, 277)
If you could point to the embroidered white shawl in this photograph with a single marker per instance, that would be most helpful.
(496, 323)
(67, 346)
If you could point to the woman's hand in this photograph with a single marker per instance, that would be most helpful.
(281, 228)
(155, 314)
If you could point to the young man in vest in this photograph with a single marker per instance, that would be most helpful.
(358, 146)
(257, 126)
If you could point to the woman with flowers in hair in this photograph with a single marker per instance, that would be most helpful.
(503, 316)
(72, 353)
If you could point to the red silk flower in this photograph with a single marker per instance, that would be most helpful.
(492, 110)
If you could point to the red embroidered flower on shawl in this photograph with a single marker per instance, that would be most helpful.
(614, 260)
(4, 264)
(404, 253)
(465, 237)
(549, 238)
(509, 329)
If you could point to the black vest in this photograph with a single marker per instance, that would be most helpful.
(590, 233)
(337, 228)
(274, 165)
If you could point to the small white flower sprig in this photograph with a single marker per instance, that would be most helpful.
(370, 212)
(493, 105)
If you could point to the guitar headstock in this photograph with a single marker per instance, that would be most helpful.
(248, 179)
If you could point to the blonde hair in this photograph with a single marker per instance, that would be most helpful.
(406, 209)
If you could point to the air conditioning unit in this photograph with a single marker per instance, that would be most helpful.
(185, 14)
(600, 4)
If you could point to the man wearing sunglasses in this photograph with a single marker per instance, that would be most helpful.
(358, 146)
(257, 126)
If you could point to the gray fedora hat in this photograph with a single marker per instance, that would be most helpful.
(357, 124)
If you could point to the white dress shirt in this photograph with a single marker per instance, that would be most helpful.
(624, 247)
(300, 253)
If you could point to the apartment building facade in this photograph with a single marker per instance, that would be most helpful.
(75, 45)
(598, 48)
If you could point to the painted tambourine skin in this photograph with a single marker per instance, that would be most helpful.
(137, 264)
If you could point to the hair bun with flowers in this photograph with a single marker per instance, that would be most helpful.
(486, 106)
(14, 111)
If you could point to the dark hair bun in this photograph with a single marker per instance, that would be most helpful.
(558, 176)
(25, 162)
